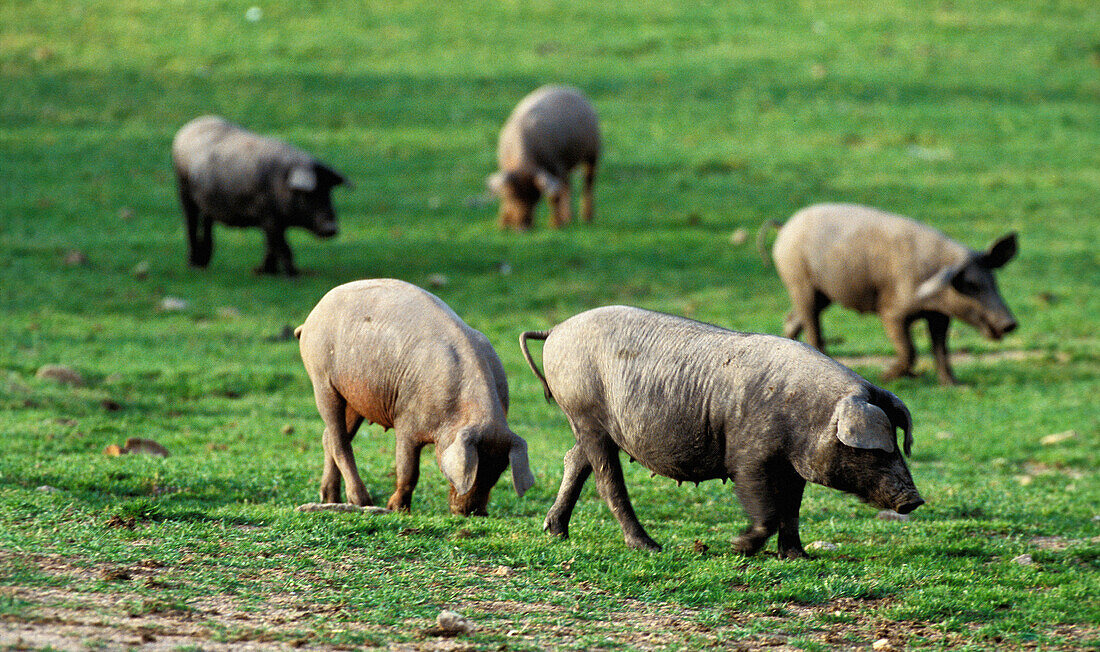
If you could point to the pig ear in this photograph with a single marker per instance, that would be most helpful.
(547, 183)
(938, 283)
(303, 178)
(495, 183)
(522, 478)
(459, 464)
(1000, 252)
(331, 177)
(860, 424)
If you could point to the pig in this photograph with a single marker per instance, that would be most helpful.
(694, 402)
(870, 260)
(387, 352)
(230, 175)
(550, 132)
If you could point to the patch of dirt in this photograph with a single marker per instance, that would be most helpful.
(71, 615)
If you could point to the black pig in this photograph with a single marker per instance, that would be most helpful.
(695, 402)
(233, 176)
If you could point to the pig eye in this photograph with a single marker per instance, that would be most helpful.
(965, 282)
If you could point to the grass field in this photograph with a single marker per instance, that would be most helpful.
(976, 117)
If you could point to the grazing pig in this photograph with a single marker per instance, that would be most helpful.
(550, 132)
(233, 176)
(387, 352)
(869, 260)
(695, 402)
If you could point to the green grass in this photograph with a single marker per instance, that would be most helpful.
(978, 118)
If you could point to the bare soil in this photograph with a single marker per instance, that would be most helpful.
(64, 617)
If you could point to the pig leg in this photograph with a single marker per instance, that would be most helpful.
(772, 499)
(198, 226)
(407, 471)
(561, 205)
(587, 201)
(897, 329)
(577, 470)
(278, 254)
(806, 316)
(338, 454)
(937, 328)
(603, 455)
(790, 501)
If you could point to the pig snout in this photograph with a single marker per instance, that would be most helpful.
(910, 505)
(325, 227)
(999, 326)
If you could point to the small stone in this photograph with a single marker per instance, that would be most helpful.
(739, 237)
(477, 201)
(1058, 438)
(505, 269)
(48, 489)
(141, 270)
(882, 645)
(61, 374)
(75, 258)
(453, 622)
(502, 571)
(438, 280)
(891, 515)
(253, 14)
(1023, 560)
(821, 545)
(172, 304)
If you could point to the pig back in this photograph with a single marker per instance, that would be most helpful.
(554, 128)
(861, 257)
(231, 171)
(397, 353)
(685, 398)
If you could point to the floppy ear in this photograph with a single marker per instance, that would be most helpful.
(547, 183)
(1000, 252)
(331, 176)
(860, 424)
(495, 183)
(459, 464)
(303, 178)
(938, 283)
(522, 478)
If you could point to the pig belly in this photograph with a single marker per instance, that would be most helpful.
(691, 458)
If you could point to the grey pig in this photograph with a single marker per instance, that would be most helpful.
(387, 352)
(230, 175)
(873, 261)
(693, 402)
(550, 132)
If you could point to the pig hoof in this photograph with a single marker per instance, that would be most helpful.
(556, 529)
(643, 543)
(745, 546)
(793, 553)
